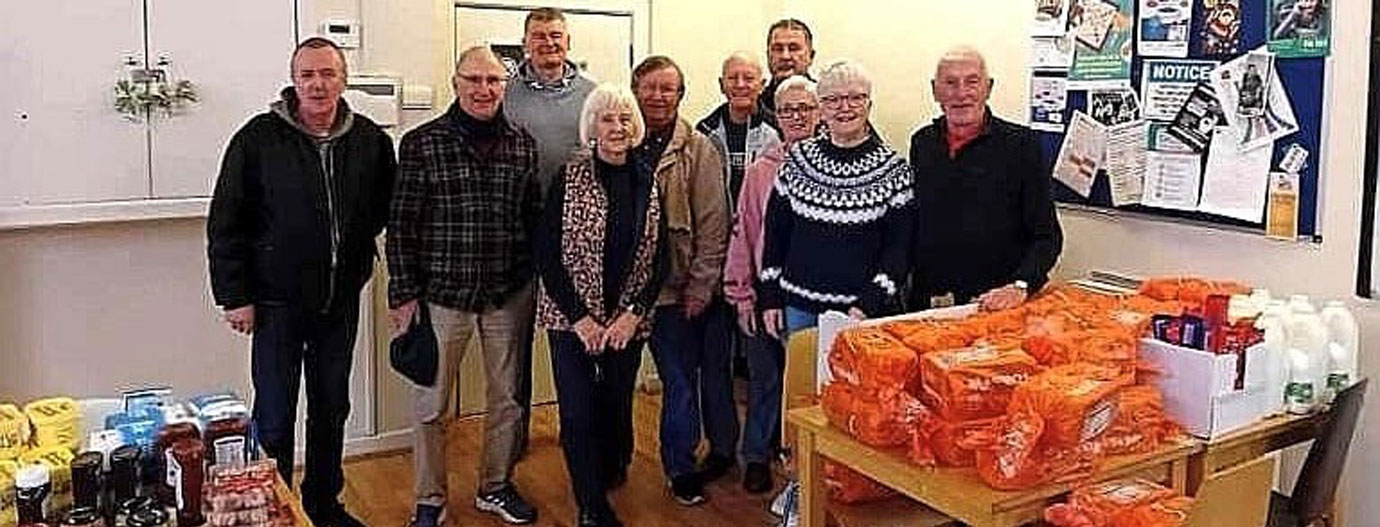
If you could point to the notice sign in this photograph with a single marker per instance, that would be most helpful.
(1166, 84)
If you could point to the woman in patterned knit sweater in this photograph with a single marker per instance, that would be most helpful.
(838, 224)
(602, 255)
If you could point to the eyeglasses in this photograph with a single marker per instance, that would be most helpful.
(854, 100)
(485, 80)
(795, 112)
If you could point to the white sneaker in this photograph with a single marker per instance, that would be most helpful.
(791, 518)
(789, 493)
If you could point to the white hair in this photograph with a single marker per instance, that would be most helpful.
(746, 58)
(606, 97)
(797, 82)
(841, 73)
(962, 53)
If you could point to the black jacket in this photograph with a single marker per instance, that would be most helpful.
(275, 234)
(984, 218)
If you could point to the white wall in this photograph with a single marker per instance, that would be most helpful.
(87, 311)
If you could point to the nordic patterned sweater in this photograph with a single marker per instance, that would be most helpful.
(838, 229)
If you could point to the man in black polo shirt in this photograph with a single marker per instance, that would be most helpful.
(986, 228)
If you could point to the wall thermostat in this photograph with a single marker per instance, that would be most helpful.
(344, 32)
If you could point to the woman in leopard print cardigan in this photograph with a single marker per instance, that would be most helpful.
(602, 257)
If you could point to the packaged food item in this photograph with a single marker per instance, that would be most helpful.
(1141, 424)
(871, 357)
(33, 488)
(186, 465)
(228, 440)
(167, 437)
(847, 486)
(56, 422)
(973, 383)
(1077, 401)
(882, 418)
(58, 462)
(1121, 503)
(14, 431)
(951, 442)
(124, 473)
(9, 515)
(243, 496)
(86, 480)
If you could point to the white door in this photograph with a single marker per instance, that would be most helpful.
(237, 55)
(61, 141)
(600, 41)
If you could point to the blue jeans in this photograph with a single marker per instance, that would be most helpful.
(766, 358)
(693, 358)
(798, 319)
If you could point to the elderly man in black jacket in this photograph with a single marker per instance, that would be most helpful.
(302, 192)
(986, 229)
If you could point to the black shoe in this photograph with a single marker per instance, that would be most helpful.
(687, 489)
(507, 504)
(427, 516)
(714, 467)
(594, 519)
(757, 478)
(333, 515)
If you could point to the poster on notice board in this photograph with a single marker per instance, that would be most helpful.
(1102, 43)
(1300, 28)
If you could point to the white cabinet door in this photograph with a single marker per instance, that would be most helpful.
(237, 54)
(601, 42)
(61, 141)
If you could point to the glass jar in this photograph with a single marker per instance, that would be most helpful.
(124, 473)
(188, 462)
(167, 437)
(128, 507)
(32, 488)
(227, 441)
(86, 480)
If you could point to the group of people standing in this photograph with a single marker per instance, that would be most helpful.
(601, 215)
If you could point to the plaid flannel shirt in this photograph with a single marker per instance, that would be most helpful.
(461, 224)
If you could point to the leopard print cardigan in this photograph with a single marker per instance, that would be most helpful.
(582, 249)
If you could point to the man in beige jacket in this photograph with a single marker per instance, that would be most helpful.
(691, 325)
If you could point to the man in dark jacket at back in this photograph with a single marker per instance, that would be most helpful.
(302, 193)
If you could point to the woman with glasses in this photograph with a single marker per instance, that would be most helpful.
(838, 224)
(797, 112)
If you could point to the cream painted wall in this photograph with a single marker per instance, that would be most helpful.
(87, 311)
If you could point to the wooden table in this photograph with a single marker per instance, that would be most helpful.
(957, 492)
(287, 497)
(1251, 442)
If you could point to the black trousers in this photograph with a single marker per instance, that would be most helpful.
(289, 342)
(595, 395)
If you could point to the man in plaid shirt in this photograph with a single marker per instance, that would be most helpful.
(460, 239)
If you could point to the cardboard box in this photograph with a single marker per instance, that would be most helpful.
(1197, 387)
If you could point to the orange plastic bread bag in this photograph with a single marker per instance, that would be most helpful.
(950, 442)
(847, 486)
(883, 418)
(973, 383)
(871, 357)
(1141, 424)
(1120, 503)
(1077, 401)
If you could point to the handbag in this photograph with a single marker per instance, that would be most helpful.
(414, 354)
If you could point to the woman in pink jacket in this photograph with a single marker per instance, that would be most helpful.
(797, 113)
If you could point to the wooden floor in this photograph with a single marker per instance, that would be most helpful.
(379, 489)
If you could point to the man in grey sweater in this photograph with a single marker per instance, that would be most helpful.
(545, 98)
(547, 92)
